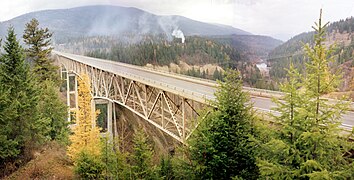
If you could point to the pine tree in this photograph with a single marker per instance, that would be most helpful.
(308, 145)
(39, 48)
(221, 147)
(86, 135)
(19, 125)
(142, 166)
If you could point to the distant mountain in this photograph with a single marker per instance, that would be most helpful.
(250, 45)
(114, 20)
(340, 33)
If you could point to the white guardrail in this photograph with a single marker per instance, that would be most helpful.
(206, 82)
(252, 91)
(201, 97)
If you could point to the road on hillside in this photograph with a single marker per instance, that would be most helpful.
(260, 103)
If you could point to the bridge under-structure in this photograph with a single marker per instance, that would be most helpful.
(169, 101)
(171, 109)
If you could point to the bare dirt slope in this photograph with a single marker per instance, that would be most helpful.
(50, 163)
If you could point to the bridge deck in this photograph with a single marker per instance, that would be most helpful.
(187, 87)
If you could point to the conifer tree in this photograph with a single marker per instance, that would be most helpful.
(86, 135)
(142, 166)
(115, 161)
(8, 147)
(51, 108)
(19, 125)
(54, 111)
(39, 48)
(308, 145)
(221, 147)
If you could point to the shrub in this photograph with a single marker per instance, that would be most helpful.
(89, 166)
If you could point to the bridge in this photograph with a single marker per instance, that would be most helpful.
(169, 101)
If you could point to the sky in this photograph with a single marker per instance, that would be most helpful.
(281, 19)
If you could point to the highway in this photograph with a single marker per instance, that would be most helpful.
(191, 87)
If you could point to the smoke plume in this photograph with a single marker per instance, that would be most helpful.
(178, 34)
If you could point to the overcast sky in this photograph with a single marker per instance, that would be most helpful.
(278, 18)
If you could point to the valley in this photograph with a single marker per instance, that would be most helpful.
(176, 90)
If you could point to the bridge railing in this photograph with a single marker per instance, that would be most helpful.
(211, 83)
(206, 82)
(192, 93)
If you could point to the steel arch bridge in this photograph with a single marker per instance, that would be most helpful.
(172, 110)
(168, 101)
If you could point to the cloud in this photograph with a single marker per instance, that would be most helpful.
(247, 2)
(280, 18)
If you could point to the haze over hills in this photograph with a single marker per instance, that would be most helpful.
(339, 33)
(113, 20)
(251, 45)
(72, 26)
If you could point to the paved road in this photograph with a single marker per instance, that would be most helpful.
(182, 84)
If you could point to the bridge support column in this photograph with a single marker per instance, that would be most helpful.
(72, 92)
(109, 120)
(66, 76)
(115, 121)
(109, 113)
(183, 119)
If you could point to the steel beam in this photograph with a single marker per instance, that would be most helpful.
(168, 111)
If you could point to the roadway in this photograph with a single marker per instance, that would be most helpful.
(174, 83)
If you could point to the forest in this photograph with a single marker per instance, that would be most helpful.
(338, 34)
(195, 51)
(232, 141)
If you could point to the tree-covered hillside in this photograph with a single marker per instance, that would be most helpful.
(202, 50)
(250, 45)
(338, 33)
(101, 20)
(195, 51)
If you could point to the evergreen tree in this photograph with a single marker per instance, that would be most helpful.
(221, 147)
(115, 161)
(308, 145)
(20, 124)
(54, 111)
(86, 135)
(39, 48)
(88, 166)
(166, 168)
(8, 147)
(142, 166)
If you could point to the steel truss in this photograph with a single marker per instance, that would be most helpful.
(169, 112)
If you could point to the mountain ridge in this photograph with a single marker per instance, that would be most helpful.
(110, 20)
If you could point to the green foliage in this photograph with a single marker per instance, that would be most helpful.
(307, 145)
(20, 121)
(279, 57)
(53, 109)
(38, 51)
(115, 162)
(221, 147)
(343, 25)
(196, 50)
(89, 166)
(166, 168)
(8, 147)
(217, 75)
(30, 111)
(141, 157)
